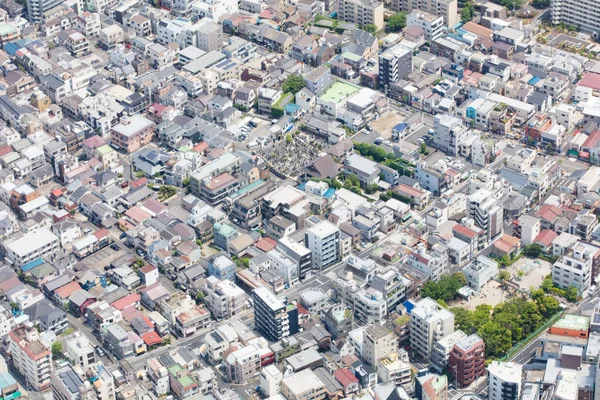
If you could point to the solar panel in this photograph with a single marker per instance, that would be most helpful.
(597, 318)
(71, 380)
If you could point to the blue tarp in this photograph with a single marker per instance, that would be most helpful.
(11, 48)
(409, 304)
(329, 193)
(534, 80)
(32, 264)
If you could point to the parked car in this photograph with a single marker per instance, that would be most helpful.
(115, 247)
(378, 141)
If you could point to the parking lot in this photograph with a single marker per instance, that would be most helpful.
(555, 39)
(103, 257)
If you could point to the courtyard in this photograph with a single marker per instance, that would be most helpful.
(533, 272)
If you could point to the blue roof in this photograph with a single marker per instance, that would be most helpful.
(409, 304)
(32, 264)
(291, 107)
(302, 186)
(11, 48)
(6, 380)
(329, 193)
(400, 127)
(534, 80)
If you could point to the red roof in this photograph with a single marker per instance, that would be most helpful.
(345, 377)
(151, 338)
(138, 183)
(147, 268)
(463, 230)
(126, 301)
(545, 237)
(56, 192)
(200, 147)
(409, 190)
(265, 244)
(4, 150)
(67, 290)
(549, 212)
(592, 140)
(101, 233)
(590, 80)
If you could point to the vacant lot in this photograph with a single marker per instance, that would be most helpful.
(386, 122)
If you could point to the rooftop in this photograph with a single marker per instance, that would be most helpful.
(339, 91)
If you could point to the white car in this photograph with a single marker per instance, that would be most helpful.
(387, 143)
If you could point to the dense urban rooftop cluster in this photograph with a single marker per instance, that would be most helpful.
(299, 200)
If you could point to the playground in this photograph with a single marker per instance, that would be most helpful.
(526, 272)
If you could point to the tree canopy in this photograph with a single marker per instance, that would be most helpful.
(541, 3)
(509, 3)
(371, 28)
(444, 289)
(293, 84)
(396, 22)
(467, 13)
(533, 250)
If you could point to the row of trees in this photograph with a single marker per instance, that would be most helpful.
(378, 154)
(446, 288)
(508, 323)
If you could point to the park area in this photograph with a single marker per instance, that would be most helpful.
(528, 273)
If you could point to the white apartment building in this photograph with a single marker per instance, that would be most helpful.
(323, 240)
(31, 246)
(432, 24)
(449, 133)
(441, 350)
(575, 267)
(30, 357)
(370, 306)
(530, 227)
(487, 212)
(429, 322)
(395, 368)
(447, 9)
(303, 385)
(504, 381)
(224, 298)
(243, 364)
(270, 380)
(583, 14)
(361, 12)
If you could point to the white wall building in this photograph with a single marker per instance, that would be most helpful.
(504, 381)
(323, 240)
(429, 322)
(449, 133)
(481, 271)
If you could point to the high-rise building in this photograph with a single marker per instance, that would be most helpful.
(323, 240)
(36, 8)
(432, 24)
(448, 133)
(361, 12)
(466, 362)
(442, 348)
(582, 14)
(30, 357)
(504, 381)
(395, 64)
(270, 315)
(429, 322)
(487, 212)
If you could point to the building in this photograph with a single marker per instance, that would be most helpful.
(442, 348)
(132, 133)
(224, 298)
(572, 326)
(37, 8)
(270, 380)
(576, 267)
(582, 14)
(30, 357)
(299, 253)
(378, 343)
(361, 12)
(449, 133)
(270, 315)
(80, 351)
(447, 9)
(504, 381)
(432, 24)
(527, 229)
(367, 171)
(487, 212)
(243, 364)
(466, 362)
(396, 369)
(395, 64)
(323, 240)
(303, 385)
(481, 271)
(31, 246)
(66, 383)
(429, 322)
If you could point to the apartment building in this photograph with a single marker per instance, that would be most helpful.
(487, 212)
(442, 348)
(370, 306)
(504, 381)
(393, 286)
(361, 12)
(223, 298)
(395, 368)
(243, 364)
(432, 24)
(303, 385)
(323, 240)
(37, 8)
(378, 343)
(447, 9)
(395, 64)
(30, 357)
(481, 271)
(449, 133)
(584, 14)
(31, 246)
(270, 315)
(132, 133)
(80, 351)
(577, 266)
(429, 322)
(466, 362)
(299, 253)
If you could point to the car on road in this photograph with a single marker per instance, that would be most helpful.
(115, 247)
(100, 351)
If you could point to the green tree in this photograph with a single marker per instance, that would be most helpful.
(533, 250)
(504, 275)
(57, 349)
(372, 188)
(422, 148)
(396, 22)
(353, 179)
(293, 84)
(541, 3)
(466, 13)
(245, 262)
(288, 139)
(442, 303)
(547, 284)
(200, 297)
(446, 288)
(166, 340)
(497, 339)
(186, 182)
(572, 294)
(140, 174)
(371, 28)
(14, 306)
(462, 319)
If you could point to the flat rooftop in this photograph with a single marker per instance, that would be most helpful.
(339, 91)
